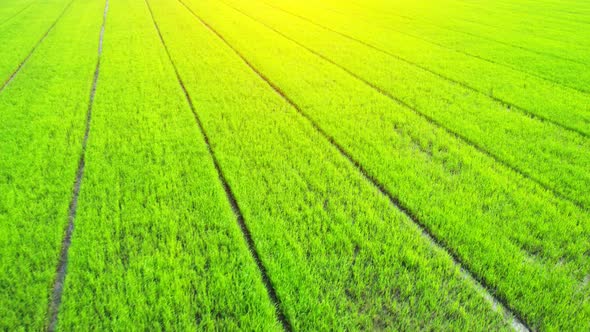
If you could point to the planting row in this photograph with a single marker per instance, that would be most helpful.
(43, 115)
(156, 245)
(513, 234)
(20, 35)
(568, 67)
(11, 10)
(531, 18)
(462, 19)
(536, 96)
(337, 252)
(555, 157)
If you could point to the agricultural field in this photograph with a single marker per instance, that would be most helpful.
(310, 165)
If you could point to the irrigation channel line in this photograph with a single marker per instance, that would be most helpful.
(429, 119)
(73, 208)
(440, 27)
(17, 13)
(20, 66)
(512, 105)
(498, 304)
(281, 317)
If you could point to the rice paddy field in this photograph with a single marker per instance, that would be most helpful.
(310, 165)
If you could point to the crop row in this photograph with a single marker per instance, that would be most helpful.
(569, 14)
(336, 187)
(43, 116)
(536, 96)
(11, 10)
(571, 70)
(338, 252)
(156, 245)
(513, 234)
(529, 18)
(461, 20)
(553, 155)
(19, 36)
(146, 243)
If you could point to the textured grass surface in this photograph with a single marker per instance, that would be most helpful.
(20, 35)
(156, 244)
(42, 118)
(309, 165)
(561, 104)
(464, 197)
(553, 155)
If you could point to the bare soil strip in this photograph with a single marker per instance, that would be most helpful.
(63, 257)
(230, 195)
(431, 120)
(451, 80)
(17, 70)
(487, 291)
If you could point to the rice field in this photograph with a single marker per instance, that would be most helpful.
(304, 165)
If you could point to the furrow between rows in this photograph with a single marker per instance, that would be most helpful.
(24, 61)
(428, 118)
(17, 13)
(229, 193)
(512, 105)
(61, 271)
(513, 317)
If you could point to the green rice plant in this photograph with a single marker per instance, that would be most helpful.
(42, 114)
(21, 35)
(553, 60)
(155, 244)
(555, 157)
(539, 97)
(12, 9)
(302, 165)
(338, 252)
(527, 244)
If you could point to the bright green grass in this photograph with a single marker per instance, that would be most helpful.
(518, 19)
(553, 154)
(566, 66)
(563, 105)
(20, 35)
(12, 9)
(492, 217)
(42, 124)
(156, 245)
(334, 263)
(460, 20)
